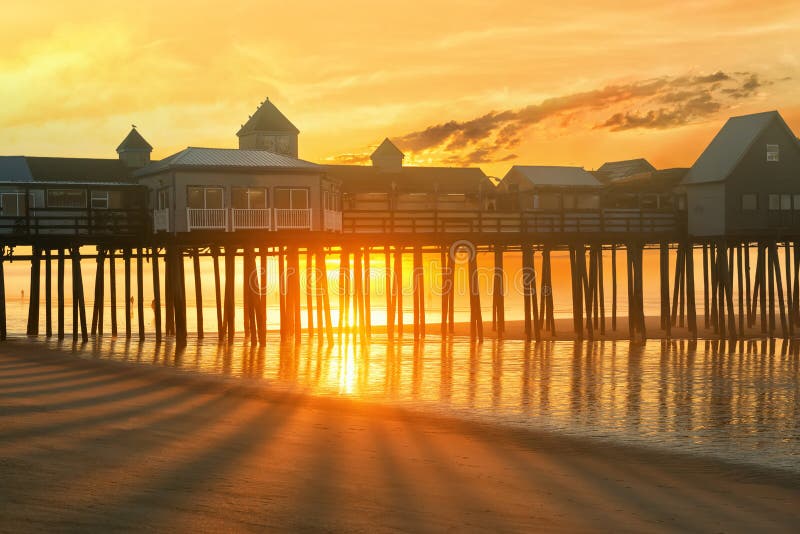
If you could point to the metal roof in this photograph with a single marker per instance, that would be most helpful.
(267, 118)
(729, 146)
(14, 169)
(614, 170)
(544, 175)
(78, 170)
(195, 157)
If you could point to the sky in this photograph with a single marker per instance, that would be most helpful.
(466, 83)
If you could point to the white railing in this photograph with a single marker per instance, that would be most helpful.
(293, 219)
(333, 220)
(251, 219)
(206, 219)
(161, 220)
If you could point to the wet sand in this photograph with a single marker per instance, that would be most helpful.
(104, 446)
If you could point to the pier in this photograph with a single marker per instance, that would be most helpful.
(248, 208)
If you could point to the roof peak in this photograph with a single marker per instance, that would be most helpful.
(134, 141)
(387, 148)
(267, 118)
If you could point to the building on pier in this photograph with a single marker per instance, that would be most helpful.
(650, 190)
(550, 188)
(218, 189)
(747, 181)
(388, 196)
(72, 196)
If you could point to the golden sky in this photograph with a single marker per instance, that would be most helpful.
(489, 83)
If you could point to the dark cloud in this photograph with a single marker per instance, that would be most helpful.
(698, 106)
(656, 103)
(350, 159)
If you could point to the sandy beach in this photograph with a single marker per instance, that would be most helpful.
(103, 446)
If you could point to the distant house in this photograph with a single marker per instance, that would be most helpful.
(260, 186)
(537, 187)
(389, 189)
(48, 195)
(747, 180)
(612, 171)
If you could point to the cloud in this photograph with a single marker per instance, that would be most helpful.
(655, 103)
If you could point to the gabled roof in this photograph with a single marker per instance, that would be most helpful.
(234, 158)
(78, 170)
(614, 170)
(267, 118)
(134, 141)
(387, 148)
(368, 179)
(553, 176)
(730, 145)
(660, 181)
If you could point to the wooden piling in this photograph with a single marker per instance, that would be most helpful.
(79, 302)
(691, 308)
(3, 326)
(229, 314)
(48, 292)
(198, 291)
(217, 292)
(614, 287)
(140, 291)
(112, 280)
(127, 272)
(33, 293)
(498, 290)
(60, 293)
(156, 293)
(476, 321)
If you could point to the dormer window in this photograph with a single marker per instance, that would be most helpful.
(772, 152)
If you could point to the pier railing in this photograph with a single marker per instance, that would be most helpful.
(293, 219)
(251, 219)
(76, 221)
(161, 220)
(206, 219)
(539, 221)
(333, 220)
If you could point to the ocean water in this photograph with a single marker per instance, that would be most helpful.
(738, 403)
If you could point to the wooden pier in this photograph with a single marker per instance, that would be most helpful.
(736, 299)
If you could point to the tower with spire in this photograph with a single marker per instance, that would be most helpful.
(269, 129)
(134, 151)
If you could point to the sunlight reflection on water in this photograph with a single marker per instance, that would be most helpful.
(738, 403)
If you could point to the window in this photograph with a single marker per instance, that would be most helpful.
(289, 198)
(162, 200)
(773, 152)
(99, 200)
(252, 198)
(774, 202)
(588, 202)
(66, 198)
(568, 201)
(750, 201)
(13, 204)
(329, 199)
(797, 202)
(786, 202)
(205, 198)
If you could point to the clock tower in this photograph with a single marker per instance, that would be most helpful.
(268, 129)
